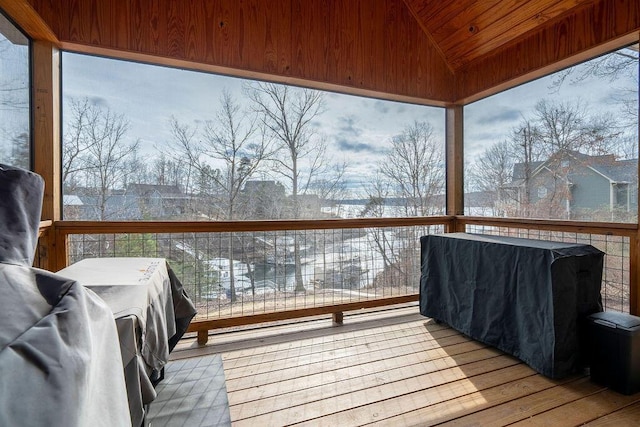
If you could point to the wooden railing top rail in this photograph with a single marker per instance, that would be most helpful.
(44, 226)
(97, 227)
(606, 228)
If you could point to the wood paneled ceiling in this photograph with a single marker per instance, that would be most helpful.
(465, 30)
(427, 51)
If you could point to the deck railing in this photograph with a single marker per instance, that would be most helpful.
(617, 241)
(287, 269)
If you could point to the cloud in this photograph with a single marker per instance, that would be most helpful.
(499, 115)
(346, 145)
(98, 101)
(381, 107)
(401, 108)
(347, 125)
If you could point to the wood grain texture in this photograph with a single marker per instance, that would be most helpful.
(92, 227)
(397, 49)
(499, 32)
(634, 265)
(587, 408)
(455, 159)
(46, 125)
(627, 416)
(30, 21)
(409, 371)
(228, 322)
(594, 28)
(360, 44)
(466, 30)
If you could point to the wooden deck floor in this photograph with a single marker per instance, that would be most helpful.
(396, 368)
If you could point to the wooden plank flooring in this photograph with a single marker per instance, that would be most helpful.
(394, 367)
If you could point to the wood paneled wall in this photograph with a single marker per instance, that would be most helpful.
(376, 48)
(362, 45)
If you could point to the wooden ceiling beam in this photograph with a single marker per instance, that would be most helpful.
(25, 16)
(418, 14)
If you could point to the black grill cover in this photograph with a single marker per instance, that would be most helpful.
(529, 298)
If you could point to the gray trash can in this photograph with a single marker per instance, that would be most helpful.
(615, 350)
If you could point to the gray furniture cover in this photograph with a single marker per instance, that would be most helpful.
(151, 310)
(58, 366)
(528, 298)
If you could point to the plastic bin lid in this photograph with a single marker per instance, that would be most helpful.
(616, 320)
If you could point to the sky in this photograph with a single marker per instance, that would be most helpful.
(14, 86)
(491, 120)
(357, 129)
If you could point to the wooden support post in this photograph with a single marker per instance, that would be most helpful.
(46, 137)
(338, 318)
(46, 126)
(203, 336)
(634, 255)
(454, 162)
(634, 275)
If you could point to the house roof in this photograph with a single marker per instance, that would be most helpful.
(519, 170)
(606, 165)
(71, 200)
(162, 190)
(620, 171)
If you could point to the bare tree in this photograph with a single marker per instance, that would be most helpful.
(412, 172)
(610, 66)
(95, 152)
(76, 141)
(288, 113)
(566, 132)
(14, 87)
(564, 136)
(231, 150)
(614, 67)
(167, 171)
(567, 126)
(14, 103)
(379, 190)
(527, 150)
(414, 166)
(19, 151)
(236, 140)
(330, 186)
(106, 156)
(183, 152)
(493, 173)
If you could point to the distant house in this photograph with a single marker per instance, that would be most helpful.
(72, 206)
(572, 185)
(136, 202)
(263, 199)
(309, 204)
(158, 201)
(481, 203)
(270, 188)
